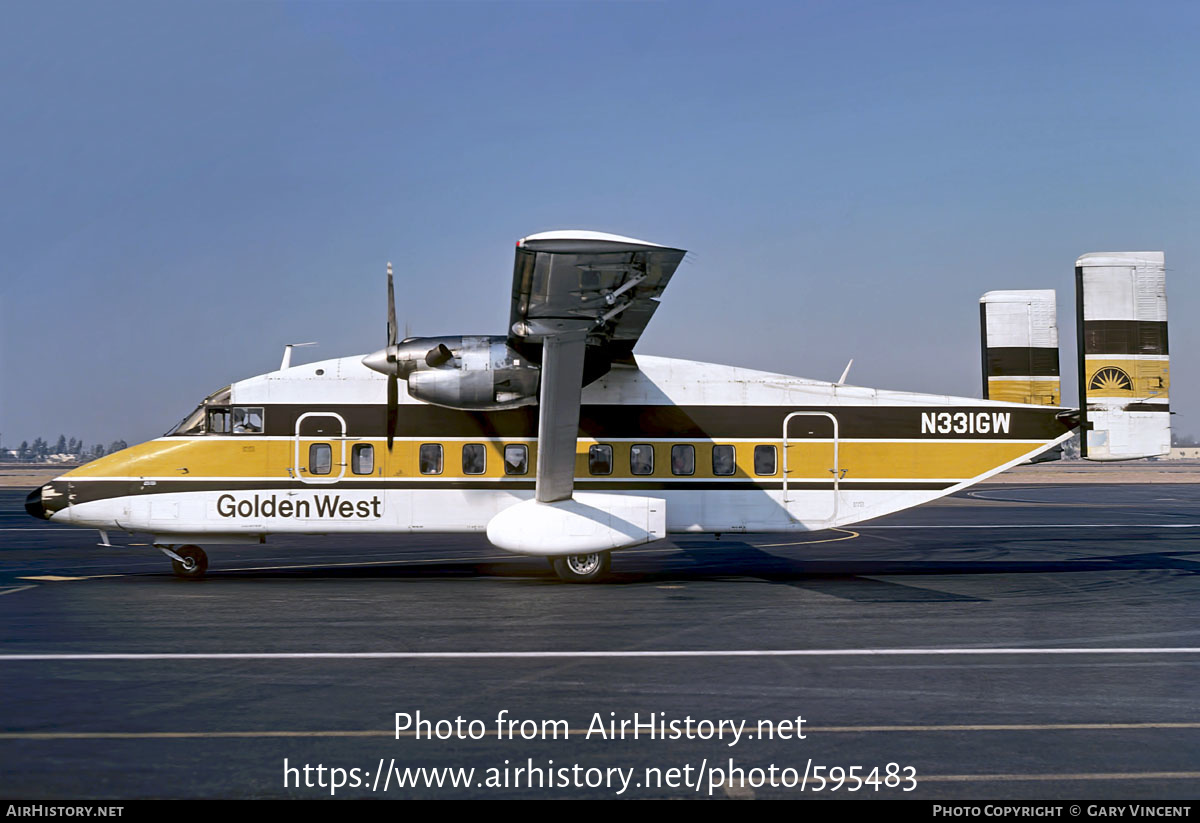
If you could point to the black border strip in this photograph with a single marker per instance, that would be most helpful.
(619, 421)
(1134, 407)
(1022, 361)
(1117, 337)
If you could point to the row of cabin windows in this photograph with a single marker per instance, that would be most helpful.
(600, 459)
(683, 460)
(516, 459)
(474, 458)
(320, 458)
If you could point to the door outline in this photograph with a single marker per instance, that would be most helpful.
(307, 477)
(836, 470)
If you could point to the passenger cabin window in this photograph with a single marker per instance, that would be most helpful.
(724, 461)
(474, 458)
(516, 459)
(218, 421)
(320, 458)
(430, 460)
(362, 458)
(247, 419)
(641, 458)
(683, 459)
(764, 460)
(600, 459)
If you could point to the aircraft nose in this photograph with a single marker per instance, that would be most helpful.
(34, 505)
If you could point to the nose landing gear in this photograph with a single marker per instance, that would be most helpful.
(188, 562)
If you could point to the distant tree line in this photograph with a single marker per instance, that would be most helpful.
(41, 450)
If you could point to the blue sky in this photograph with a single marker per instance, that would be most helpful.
(188, 187)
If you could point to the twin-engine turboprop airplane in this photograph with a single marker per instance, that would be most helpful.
(556, 440)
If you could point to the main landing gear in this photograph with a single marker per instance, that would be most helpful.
(188, 562)
(582, 568)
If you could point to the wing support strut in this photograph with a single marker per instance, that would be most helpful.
(558, 414)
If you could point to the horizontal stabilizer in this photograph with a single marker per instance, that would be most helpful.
(1124, 360)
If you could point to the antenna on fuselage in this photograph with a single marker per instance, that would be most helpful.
(286, 363)
(842, 380)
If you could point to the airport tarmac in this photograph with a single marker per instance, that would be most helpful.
(1010, 642)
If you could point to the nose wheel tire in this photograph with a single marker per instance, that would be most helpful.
(192, 564)
(582, 568)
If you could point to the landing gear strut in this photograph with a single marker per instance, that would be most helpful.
(188, 562)
(582, 568)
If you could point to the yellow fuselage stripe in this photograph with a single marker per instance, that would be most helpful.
(232, 457)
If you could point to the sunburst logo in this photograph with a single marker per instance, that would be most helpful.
(1110, 378)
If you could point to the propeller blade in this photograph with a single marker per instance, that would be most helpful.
(393, 408)
(393, 383)
(391, 323)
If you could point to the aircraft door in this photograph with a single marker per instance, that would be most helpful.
(319, 452)
(812, 473)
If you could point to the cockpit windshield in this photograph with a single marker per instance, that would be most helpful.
(201, 420)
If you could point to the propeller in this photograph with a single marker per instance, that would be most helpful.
(393, 383)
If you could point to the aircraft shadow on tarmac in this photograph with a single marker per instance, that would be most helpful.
(732, 560)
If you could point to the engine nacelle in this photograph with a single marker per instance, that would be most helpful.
(470, 373)
(457, 388)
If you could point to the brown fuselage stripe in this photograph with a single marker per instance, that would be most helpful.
(1125, 337)
(1134, 407)
(1022, 361)
(685, 422)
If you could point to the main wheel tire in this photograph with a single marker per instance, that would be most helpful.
(582, 568)
(195, 562)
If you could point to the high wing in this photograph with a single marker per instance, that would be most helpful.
(603, 284)
(584, 298)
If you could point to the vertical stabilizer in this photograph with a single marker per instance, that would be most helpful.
(1019, 336)
(1124, 360)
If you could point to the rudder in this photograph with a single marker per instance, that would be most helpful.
(1124, 360)
(1019, 338)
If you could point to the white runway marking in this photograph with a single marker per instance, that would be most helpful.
(1055, 778)
(1051, 526)
(583, 655)
(15, 589)
(943, 526)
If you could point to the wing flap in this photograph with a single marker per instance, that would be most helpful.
(605, 284)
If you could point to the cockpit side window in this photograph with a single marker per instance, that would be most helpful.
(218, 421)
(247, 419)
(192, 424)
(200, 422)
